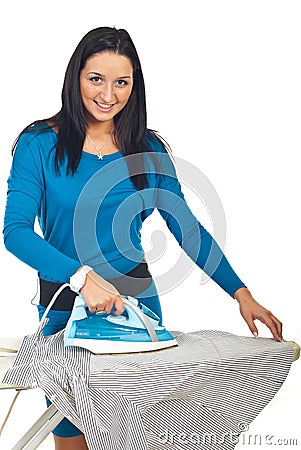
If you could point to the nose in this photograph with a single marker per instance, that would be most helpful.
(107, 93)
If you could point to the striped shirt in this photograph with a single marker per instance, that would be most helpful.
(199, 395)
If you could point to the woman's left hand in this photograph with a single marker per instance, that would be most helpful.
(251, 310)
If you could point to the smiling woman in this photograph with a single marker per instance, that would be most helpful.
(92, 174)
(106, 83)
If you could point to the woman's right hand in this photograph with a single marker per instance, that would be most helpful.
(101, 295)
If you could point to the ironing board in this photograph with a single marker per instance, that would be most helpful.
(47, 421)
(132, 416)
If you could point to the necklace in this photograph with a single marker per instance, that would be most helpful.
(99, 151)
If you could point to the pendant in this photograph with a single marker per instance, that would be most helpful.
(100, 156)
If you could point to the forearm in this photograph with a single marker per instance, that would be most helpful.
(33, 250)
(213, 261)
(194, 239)
(203, 249)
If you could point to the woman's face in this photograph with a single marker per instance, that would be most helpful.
(106, 84)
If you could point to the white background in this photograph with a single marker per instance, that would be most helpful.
(223, 87)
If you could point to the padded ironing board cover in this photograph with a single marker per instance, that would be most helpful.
(199, 395)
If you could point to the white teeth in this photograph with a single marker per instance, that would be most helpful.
(102, 105)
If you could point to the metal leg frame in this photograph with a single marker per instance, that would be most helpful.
(40, 429)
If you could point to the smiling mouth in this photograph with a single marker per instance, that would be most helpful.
(105, 106)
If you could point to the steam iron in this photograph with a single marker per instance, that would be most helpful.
(135, 330)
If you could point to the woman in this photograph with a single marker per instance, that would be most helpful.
(92, 174)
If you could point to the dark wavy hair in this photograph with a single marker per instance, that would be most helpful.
(130, 124)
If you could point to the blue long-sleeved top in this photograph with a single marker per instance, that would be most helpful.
(95, 216)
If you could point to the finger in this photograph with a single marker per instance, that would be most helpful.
(119, 305)
(97, 307)
(274, 331)
(108, 307)
(279, 327)
(274, 326)
(252, 326)
(100, 309)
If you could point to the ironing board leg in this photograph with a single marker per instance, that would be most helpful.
(40, 429)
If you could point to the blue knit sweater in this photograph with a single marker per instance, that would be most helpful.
(95, 216)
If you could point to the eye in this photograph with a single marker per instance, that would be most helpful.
(96, 79)
(121, 83)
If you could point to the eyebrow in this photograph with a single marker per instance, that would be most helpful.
(101, 75)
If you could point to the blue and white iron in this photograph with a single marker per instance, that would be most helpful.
(136, 330)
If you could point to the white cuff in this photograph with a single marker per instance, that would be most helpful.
(78, 279)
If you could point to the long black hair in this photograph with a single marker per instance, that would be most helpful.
(130, 124)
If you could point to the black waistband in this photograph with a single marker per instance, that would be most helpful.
(123, 284)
